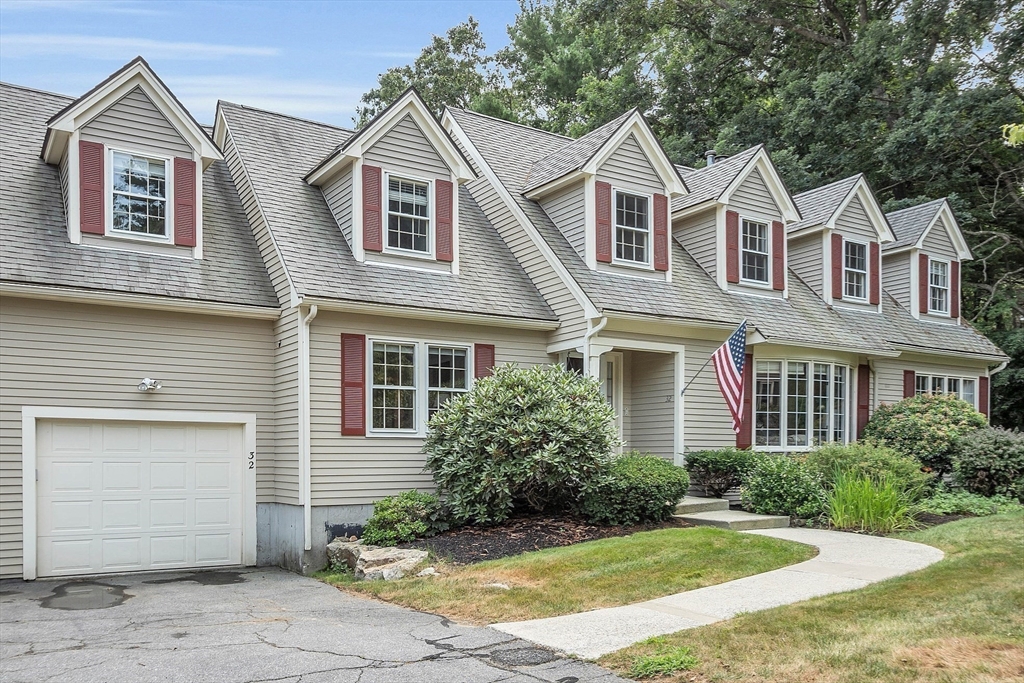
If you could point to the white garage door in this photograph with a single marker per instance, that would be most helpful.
(132, 496)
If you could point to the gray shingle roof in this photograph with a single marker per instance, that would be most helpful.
(909, 224)
(711, 181)
(818, 205)
(35, 247)
(573, 156)
(277, 151)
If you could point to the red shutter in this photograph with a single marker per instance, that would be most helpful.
(660, 232)
(184, 202)
(603, 213)
(353, 385)
(954, 289)
(372, 215)
(778, 256)
(443, 197)
(863, 397)
(744, 437)
(909, 383)
(922, 283)
(732, 246)
(876, 274)
(837, 266)
(483, 360)
(91, 187)
(983, 396)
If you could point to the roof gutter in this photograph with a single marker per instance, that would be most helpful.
(929, 351)
(431, 314)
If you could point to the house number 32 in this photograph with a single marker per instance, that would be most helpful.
(252, 460)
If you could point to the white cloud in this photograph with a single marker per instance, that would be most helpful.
(117, 49)
(83, 6)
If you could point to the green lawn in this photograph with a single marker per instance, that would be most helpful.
(604, 573)
(961, 619)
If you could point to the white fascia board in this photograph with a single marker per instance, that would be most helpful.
(962, 355)
(589, 309)
(780, 194)
(637, 126)
(413, 313)
(557, 184)
(963, 252)
(696, 208)
(410, 104)
(139, 76)
(871, 208)
(804, 232)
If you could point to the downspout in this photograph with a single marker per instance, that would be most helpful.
(304, 429)
(592, 331)
(999, 368)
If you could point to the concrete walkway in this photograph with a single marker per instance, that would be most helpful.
(845, 562)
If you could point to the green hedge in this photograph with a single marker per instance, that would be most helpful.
(718, 471)
(991, 462)
(638, 488)
(869, 460)
(782, 485)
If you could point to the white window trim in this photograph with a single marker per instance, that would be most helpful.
(421, 358)
(783, 404)
(108, 197)
(945, 383)
(430, 254)
(948, 288)
(649, 264)
(866, 271)
(767, 223)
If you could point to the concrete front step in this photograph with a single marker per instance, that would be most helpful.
(691, 504)
(735, 520)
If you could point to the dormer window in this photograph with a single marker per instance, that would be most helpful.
(632, 228)
(755, 251)
(408, 215)
(855, 270)
(938, 287)
(139, 195)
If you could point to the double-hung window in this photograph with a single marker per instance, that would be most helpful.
(632, 228)
(408, 215)
(962, 387)
(139, 195)
(447, 376)
(938, 286)
(412, 381)
(394, 386)
(798, 404)
(755, 251)
(855, 270)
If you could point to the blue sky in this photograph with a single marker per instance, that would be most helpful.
(305, 58)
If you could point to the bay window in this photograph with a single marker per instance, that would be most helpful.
(809, 407)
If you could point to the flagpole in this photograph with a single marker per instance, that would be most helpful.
(710, 358)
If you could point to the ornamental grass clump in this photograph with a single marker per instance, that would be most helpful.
(536, 438)
(870, 460)
(861, 503)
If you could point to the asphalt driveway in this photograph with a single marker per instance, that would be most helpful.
(247, 626)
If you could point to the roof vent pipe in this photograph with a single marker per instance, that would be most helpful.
(710, 156)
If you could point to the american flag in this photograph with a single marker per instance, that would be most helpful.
(729, 360)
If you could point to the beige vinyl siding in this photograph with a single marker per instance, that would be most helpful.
(652, 403)
(896, 277)
(77, 355)
(854, 223)
(806, 259)
(699, 235)
(264, 240)
(629, 168)
(405, 149)
(889, 374)
(286, 407)
(358, 470)
(937, 243)
(753, 198)
(338, 194)
(706, 418)
(134, 122)
(568, 212)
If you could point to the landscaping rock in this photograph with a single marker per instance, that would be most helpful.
(372, 562)
(499, 586)
(342, 552)
(429, 571)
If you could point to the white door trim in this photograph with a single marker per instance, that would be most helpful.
(29, 416)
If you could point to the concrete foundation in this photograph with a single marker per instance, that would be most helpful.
(279, 533)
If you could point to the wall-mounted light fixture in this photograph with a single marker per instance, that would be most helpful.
(149, 384)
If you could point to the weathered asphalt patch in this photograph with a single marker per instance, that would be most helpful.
(80, 595)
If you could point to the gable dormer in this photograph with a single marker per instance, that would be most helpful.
(922, 267)
(131, 162)
(608, 192)
(836, 247)
(393, 188)
(733, 222)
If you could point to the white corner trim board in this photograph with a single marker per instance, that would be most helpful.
(31, 415)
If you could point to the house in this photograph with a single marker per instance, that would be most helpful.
(219, 345)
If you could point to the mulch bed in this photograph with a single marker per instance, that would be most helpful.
(521, 534)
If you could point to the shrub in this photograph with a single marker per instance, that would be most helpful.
(991, 461)
(718, 471)
(782, 485)
(538, 437)
(405, 517)
(877, 504)
(638, 488)
(928, 428)
(944, 502)
(870, 460)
